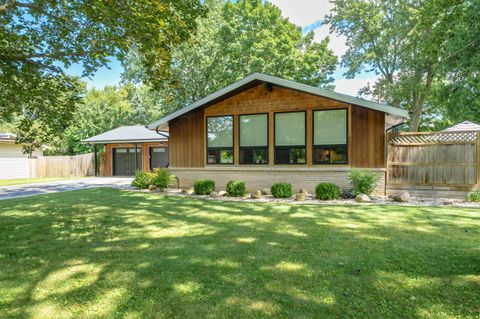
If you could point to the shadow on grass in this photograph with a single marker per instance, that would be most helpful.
(111, 253)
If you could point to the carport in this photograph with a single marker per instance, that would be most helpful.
(130, 148)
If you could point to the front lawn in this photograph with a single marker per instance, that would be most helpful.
(117, 254)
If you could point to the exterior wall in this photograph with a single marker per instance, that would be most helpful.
(11, 150)
(13, 168)
(108, 159)
(366, 128)
(259, 178)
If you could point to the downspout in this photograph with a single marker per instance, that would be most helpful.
(386, 152)
(168, 164)
(95, 159)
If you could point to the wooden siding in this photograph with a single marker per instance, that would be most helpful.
(366, 128)
(187, 140)
(108, 159)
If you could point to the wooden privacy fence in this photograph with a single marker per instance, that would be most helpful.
(450, 159)
(63, 166)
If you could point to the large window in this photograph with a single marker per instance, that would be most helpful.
(253, 139)
(330, 137)
(290, 131)
(220, 140)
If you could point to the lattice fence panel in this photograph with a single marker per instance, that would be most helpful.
(462, 137)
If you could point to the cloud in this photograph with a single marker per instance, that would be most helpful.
(337, 43)
(351, 86)
(303, 12)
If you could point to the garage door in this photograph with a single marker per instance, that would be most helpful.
(158, 157)
(124, 161)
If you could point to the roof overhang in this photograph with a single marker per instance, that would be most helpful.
(124, 141)
(257, 78)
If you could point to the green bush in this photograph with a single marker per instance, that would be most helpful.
(142, 179)
(474, 196)
(327, 191)
(204, 187)
(236, 188)
(162, 178)
(363, 182)
(282, 190)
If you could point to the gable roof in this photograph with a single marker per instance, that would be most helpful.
(128, 134)
(464, 126)
(257, 78)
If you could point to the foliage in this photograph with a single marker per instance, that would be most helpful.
(236, 188)
(162, 178)
(282, 190)
(41, 39)
(473, 196)
(142, 179)
(236, 39)
(204, 187)
(122, 245)
(403, 42)
(327, 191)
(363, 182)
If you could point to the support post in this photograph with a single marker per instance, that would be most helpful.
(136, 158)
(95, 159)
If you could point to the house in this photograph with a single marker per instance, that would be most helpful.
(14, 163)
(264, 129)
(129, 148)
(464, 126)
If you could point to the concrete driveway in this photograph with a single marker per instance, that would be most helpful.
(62, 186)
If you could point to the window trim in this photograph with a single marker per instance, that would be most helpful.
(330, 146)
(275, 146)
(240, 147)
(232, 148)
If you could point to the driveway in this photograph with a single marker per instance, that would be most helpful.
(62, 186)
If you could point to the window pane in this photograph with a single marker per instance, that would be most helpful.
(321, 155)
(286, 155)
(333, 155)
(330, 127)
(220, 131)
(290, 129)
(254, 156)
(338, 155)
(254, 130)
(219, 156)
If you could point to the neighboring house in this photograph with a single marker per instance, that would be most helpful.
(263, 129)
(13, 162)
(129, 148)
(464, 126)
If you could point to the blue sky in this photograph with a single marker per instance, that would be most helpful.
(308, 14)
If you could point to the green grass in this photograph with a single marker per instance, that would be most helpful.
(21, 181)
(108, 253)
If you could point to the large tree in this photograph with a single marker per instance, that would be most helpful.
(40, 38)
(238, 38)
(400, 40)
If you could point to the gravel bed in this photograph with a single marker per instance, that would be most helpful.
(376, 200)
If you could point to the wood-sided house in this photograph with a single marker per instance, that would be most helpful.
(264, 129)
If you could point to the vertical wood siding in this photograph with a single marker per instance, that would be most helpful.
(187, 140)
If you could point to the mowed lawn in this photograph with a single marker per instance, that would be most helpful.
(104, 253)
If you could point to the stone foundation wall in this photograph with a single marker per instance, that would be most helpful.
(258, 178)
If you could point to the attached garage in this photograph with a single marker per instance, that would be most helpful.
(131, 148)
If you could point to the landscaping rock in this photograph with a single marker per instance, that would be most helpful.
(402, 197)
(265, 191)
(304, 191)
(188, 191)
(257, 195)
(222, 193)
(216, 194)
(152, 187)
(347, 195)
(300, 197)
(362, 198)
(448, 202)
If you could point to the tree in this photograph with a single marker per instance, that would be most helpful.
(400, 40)
(40, 38)
(233, 40)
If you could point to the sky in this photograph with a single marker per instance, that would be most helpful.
(309, 14)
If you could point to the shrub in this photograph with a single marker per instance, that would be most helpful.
(363, 182)
(236, 188)
(474, 196)
(327, 191)
(142, 179)
(204, 187)
(282, 190)
(162, 178)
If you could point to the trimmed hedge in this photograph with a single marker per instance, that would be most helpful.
(282, 190)
(363, 182)
(204, 187)
(473, 196)
(236, 188)
(142, 179)
(327, 191)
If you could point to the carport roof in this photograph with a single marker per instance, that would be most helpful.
(128, 134)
